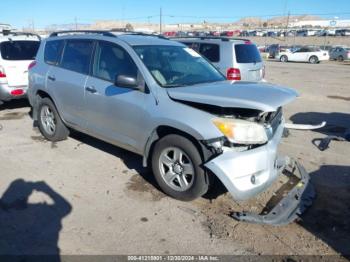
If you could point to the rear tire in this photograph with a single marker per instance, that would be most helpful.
(313, 60)
(176, 165)
(284, 59)
(50, 123)
(340, 58)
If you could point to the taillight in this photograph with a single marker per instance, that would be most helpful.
(17, 92)
(2, 72)
(31, 65)
(233, 74)
(247, 42)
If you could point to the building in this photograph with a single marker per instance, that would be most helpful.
(321, 23)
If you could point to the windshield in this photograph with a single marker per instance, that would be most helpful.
(173, 66)
(19, 50)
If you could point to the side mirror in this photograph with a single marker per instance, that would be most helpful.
(126, 81)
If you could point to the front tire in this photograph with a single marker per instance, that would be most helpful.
(176, 164)
(340, 58)
(50, 123)
(284, 59)
(313, 60)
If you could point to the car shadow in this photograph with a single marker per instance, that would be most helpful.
(134, 161)
(15, 104)
(329, 217)
(131, 160)
(29, 228)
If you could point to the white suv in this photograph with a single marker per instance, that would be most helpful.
(17, 53)
(236, 58)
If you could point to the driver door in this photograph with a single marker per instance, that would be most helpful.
(113, 113)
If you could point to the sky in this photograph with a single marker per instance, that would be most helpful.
(21, 13)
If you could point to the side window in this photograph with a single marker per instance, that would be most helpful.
(77, 55)
(53, 50)
(303, 50)
(210, 51)
(111, 60)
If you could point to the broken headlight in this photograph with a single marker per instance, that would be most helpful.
(240, 131)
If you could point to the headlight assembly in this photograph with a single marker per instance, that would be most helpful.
(241, 131)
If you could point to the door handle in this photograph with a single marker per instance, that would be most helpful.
(51, 78)
(91, 89)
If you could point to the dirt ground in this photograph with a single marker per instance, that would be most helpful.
(83, 196)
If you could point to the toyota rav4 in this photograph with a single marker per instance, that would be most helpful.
(164, 101)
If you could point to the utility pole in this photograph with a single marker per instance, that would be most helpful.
(76, 23)
(160, 21)
(288, 16)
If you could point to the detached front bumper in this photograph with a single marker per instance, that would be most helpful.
(288, 208)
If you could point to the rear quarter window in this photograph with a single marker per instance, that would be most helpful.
(53, 50)
(247, 53)
(19, 50)
(210, 51)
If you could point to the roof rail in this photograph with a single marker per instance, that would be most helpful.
(26, 34)
(222, 38)
(145, 34)
(10, 33)
(101, 32)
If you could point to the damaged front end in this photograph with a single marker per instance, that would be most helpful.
(247, 170)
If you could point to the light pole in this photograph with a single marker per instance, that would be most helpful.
(160, 21)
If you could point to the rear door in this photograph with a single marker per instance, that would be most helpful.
(249, 62)
(66, 81)
(17, 55)
(301, 55)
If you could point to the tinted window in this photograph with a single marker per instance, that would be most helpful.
(76, 56)
(19, 50)
(111, 61)
(210, 51)
(53, 51)
(303, 50)
(247, 53)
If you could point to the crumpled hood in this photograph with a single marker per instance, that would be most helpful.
(251, 95)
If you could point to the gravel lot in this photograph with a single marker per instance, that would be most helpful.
(83, 196)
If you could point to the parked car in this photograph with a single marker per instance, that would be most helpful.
(312, 55)
(162, 100)
(342, 32)
(237, 59)
(17, 52)
(339, 53)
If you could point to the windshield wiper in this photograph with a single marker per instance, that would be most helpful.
(175, 85)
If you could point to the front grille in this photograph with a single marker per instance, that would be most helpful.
(276, 120)
(272, 120)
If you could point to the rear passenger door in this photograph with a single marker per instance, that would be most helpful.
(114, 113)
(301, 55)
(66, 81)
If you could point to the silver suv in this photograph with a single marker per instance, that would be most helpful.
(236, 58)
(162, 100)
